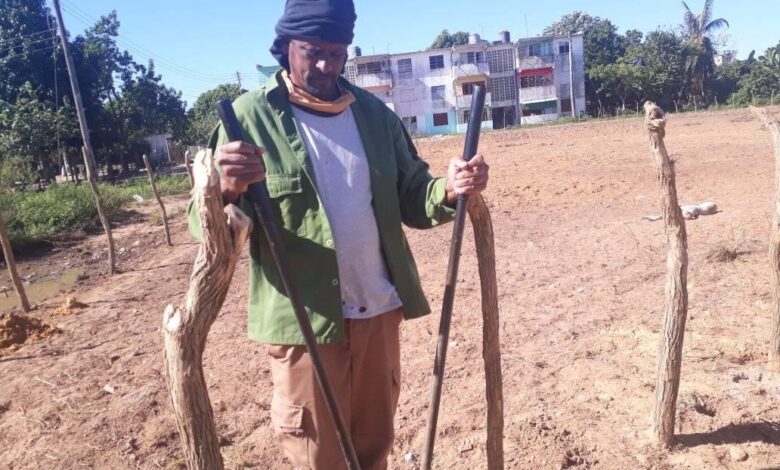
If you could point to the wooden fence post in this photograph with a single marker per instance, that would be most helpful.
(491, 341)
(10, 262)
(188, 165)
(676, 311)
(92, 179)
(774, 243)
(185, 328)
(150, 172)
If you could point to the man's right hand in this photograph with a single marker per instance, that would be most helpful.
(241, 165)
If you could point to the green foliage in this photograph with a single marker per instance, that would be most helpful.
(446, 40)
(67, 208)
(203, 114)
(16, 172)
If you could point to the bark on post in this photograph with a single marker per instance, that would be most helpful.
(185, 328)
(676, 311)
(774, 244)
(188, 165)
(10, 262)
(92, 179)
(150, 172)
(491, 341)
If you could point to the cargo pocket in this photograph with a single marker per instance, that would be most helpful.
(286, 190)
(287, 419)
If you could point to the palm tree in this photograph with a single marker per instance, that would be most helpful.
(698, 28)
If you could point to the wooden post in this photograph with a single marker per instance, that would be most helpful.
(10, 262)
(89, 154)
(150, 172)
(188, 165)
(491, 341)
(185, 328)
(774, 244)
(676, 311)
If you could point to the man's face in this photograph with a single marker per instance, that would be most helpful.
(316, 65)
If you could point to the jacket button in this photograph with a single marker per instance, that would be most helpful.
(328, 243)
(335, 282)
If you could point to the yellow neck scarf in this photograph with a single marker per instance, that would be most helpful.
(306, 100)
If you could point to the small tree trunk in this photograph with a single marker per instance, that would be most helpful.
(10, 262)
(774, 244)
(88, 162)
(185, 328)
(670, 354)
(150, 172)
(491, 341)
(188, 165)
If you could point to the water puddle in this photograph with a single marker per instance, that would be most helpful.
(39, 290)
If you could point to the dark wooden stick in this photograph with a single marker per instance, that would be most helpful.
(258, 194)
(676, 312)
(150, 172)
(774, 244)
(470, 149)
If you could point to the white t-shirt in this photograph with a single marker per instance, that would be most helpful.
(344, 183)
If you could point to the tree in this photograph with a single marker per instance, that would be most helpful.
(202, 117)
(622, 80)
(446, 40)
(697, 29)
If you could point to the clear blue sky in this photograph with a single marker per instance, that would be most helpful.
(199, 45)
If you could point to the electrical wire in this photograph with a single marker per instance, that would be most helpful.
(9, 49)
(13, 38)
(12, 56)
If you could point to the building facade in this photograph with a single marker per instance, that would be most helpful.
(431, 90)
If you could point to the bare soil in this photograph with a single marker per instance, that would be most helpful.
(581, 285)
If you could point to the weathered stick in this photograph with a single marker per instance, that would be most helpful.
(491, 341)
(188, 165)
(8, 254)
(670, 351)
(92, 179)
(774, 243)
(150, 172)
(185, 328)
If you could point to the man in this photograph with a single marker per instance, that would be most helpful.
(344, 176)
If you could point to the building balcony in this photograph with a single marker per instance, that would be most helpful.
(465, 100)
(538, 93)
(465, 69)
(381, 80)
(537, 62)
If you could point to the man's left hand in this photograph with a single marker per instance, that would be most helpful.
(466, 177)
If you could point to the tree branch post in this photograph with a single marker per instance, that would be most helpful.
(676, 310)
(774, 243)
(150, 172)
(188, 165)
(185, 328)
(92, 179)
(491, 341)
(10, 262)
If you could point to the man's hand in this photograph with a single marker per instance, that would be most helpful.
(464, 177)
(241, 165)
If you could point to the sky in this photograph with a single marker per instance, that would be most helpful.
(198, 45)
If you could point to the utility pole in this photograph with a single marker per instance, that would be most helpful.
(571, 78)
(238, 77)
(89, 154)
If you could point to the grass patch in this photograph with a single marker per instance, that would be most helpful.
(68, 208)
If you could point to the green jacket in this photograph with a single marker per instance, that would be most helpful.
(403, 192)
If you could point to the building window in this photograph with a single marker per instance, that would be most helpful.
(410, 123)
(477, 57)
(530, 81)
(405, 68)
(436, 62)
(441, 119)
(502, 88)
(438, 93)
(566, 106)
(350, 73)
(369, 67)
(540, 49)
(563, 48)
(468, 88)
(463, 116)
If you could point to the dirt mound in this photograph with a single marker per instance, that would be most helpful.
(69, 306)
(15, 330)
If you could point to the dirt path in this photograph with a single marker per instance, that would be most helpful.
(581, 290)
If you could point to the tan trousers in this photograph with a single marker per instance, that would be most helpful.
(364, 370)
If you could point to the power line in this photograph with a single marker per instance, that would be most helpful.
(44, 49)
(22, 36)
(3, 51)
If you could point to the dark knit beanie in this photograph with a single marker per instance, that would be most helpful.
(326, 20)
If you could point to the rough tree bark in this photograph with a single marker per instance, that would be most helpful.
(185, 328)
(164, 215)
(491, 341)
(10, 262)
(673, 333)
(774, 244)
